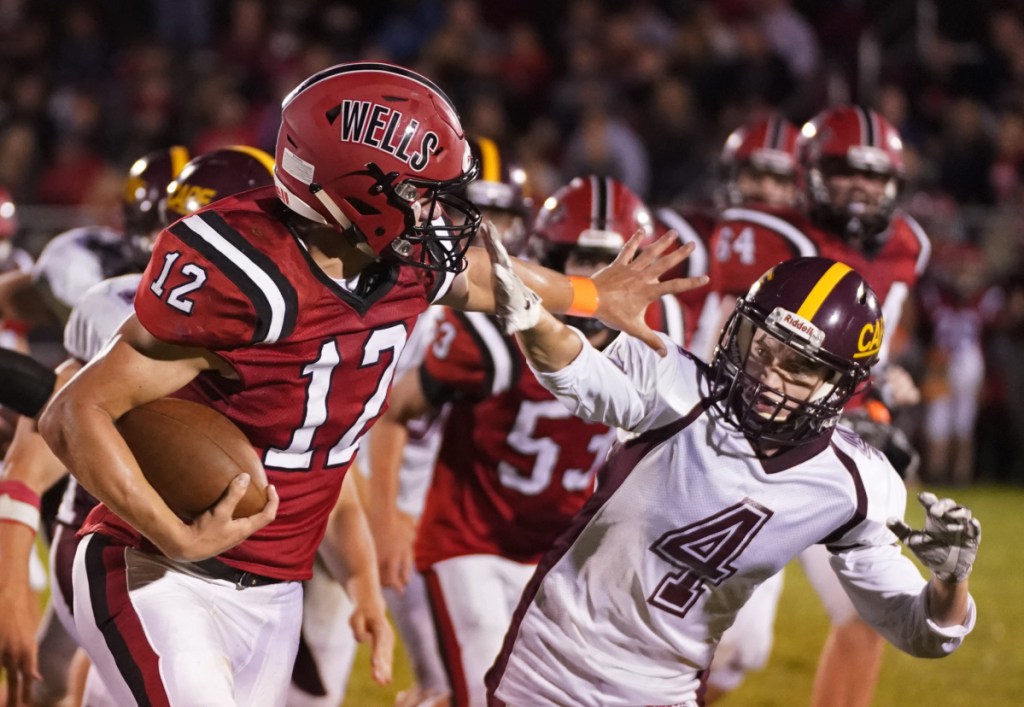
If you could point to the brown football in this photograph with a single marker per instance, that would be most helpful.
(190, 453)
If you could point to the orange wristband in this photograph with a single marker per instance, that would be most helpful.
(584, 297)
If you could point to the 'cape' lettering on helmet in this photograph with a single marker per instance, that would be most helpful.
(870, 340)
(378, 126)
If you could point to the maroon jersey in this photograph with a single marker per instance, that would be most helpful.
(314, 359)
(746, 242)
(514, 466)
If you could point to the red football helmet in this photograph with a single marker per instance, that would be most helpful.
(829, 321)
(766, 145)
(145, 189)
(215, 175)
(501, 188)
(593, 214)
(842, 142)
(379, 150)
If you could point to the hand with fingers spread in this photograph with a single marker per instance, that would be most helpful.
(627, 286)
(948, 544)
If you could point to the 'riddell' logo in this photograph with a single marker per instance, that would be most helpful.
(799, 324)
(784, 319)
(387, 130)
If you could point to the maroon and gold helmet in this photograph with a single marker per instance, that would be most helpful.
(215, 175)
(378, 150)
(502, 191)
(826, 313)
(842, 141)
(596, 214)
(145, 189)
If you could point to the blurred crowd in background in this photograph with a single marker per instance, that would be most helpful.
(644, 91)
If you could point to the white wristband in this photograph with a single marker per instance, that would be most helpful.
(19, 512)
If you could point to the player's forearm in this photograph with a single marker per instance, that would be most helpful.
(30, 461)
(84, 438)
(947, 603)
(16, 543)
(549, 346)
(387, 444)
(474, 291)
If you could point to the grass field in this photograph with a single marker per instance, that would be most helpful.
(987, 671)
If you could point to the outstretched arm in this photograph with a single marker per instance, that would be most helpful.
(622, 291)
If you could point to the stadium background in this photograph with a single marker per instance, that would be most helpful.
(644, 91)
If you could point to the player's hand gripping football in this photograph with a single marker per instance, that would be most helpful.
(948, 544)
(217, 531)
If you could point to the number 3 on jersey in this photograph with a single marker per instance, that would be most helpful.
(176, 297)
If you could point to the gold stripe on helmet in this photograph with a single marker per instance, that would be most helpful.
(490, 160)
(822, 289)
(179, 158)
(264, 159)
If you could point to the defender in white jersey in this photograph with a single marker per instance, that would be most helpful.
(737, 468)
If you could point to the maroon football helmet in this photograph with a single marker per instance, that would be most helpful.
(842, 142)
(593, 214)
(145, 189)
(215, 175)
(766, 145)
(378, 150)
(823, 311)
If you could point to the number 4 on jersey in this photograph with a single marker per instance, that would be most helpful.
(702, 552)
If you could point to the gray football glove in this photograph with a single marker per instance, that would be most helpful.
(517, 306)
(949, 541)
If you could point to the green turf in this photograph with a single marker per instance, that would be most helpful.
(988, 670)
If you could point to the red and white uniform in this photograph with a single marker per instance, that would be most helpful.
(314, 360)
(746, 242)
(685, 524)
(513, 469)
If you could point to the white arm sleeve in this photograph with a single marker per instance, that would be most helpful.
(628, 386)
(889, 594)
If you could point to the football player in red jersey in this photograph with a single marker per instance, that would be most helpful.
(852, 173)
(286, 311)
(513, 468)
(94, 317)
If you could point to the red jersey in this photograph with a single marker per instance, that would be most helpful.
(514, 466)
(746, 242)
(698, 306)
(314, 358)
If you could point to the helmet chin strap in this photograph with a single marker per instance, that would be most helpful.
(332, 207)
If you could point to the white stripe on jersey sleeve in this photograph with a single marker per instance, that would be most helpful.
(922, 238)
(266, 284)
(804, 245)
(496, 348)
(674, 325)
(698, 260)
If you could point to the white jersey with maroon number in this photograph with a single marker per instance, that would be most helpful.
(75, 260)
(685, 524)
